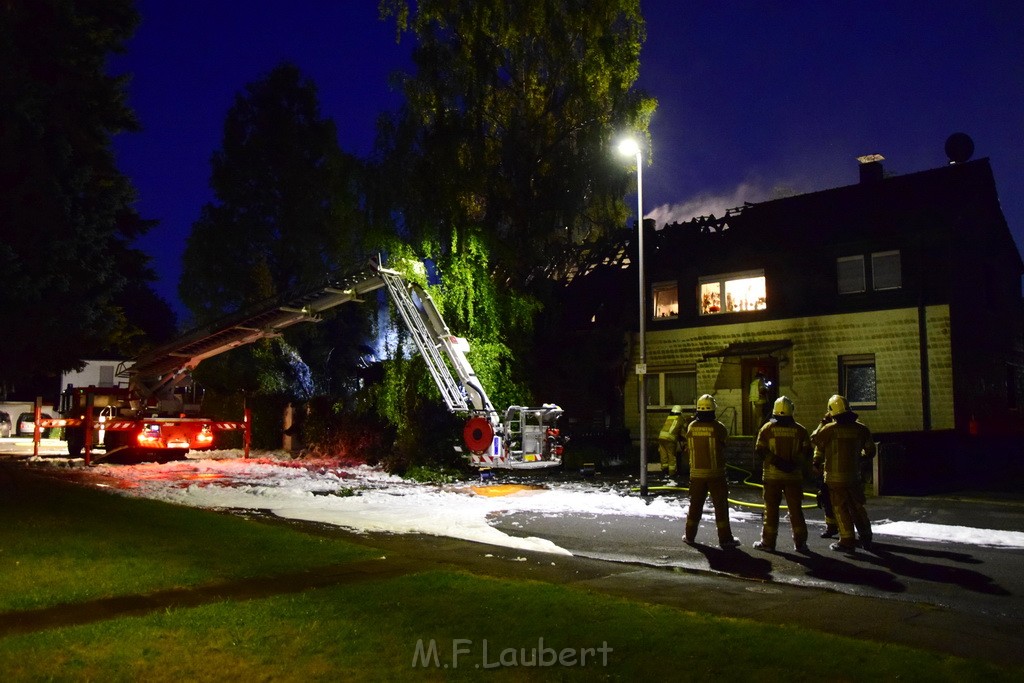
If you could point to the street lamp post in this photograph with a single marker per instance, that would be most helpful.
(631, 148)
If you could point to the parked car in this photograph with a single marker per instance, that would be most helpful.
(5, 425)
(27, 425)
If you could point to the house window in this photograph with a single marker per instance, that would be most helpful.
(653, 380)
(106, 375)
(667, 389)
(733, 293)
(857, 380)
(885, 270)
(851, 274)
(665, 299)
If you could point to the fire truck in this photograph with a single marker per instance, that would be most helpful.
(156, 417)
(129, 426)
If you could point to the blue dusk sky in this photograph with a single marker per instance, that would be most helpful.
(755, 97)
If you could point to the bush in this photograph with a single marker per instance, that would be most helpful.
(434, 475)
(430, 436)
(327, 429)
(267, 418)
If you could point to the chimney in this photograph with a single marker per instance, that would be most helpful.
(870, 168)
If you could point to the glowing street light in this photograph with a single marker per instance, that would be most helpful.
(629, 147)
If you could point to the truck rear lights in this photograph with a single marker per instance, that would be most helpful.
(205, 436)
(150, 434)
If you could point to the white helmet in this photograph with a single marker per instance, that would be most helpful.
(676, 410)
(783, 407)
(706, 404)
(837, 405)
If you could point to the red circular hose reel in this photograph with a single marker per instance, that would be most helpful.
(477, 434)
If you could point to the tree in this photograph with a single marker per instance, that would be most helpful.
(509, 122)
(65, 210)
(502, 157)
(285, 216)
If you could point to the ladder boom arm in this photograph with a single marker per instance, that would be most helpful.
(158, 371)
(432, 336)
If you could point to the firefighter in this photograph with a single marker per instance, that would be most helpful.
(825, 503)
(704, 445)
(758, 396)
(668, 440)
(841, 443)
(784, 446)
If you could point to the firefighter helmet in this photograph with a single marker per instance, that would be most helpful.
(837, 405)
(706, 404)
(676, 410)
(783, 407)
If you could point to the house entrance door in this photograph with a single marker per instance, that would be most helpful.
(760, 377)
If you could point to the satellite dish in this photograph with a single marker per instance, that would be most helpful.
(959, 148)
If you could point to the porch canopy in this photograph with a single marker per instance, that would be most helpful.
(757, 348)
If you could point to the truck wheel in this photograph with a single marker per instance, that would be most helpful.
(76, 441)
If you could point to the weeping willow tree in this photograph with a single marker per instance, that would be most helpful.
(468, 299)
(500, 159)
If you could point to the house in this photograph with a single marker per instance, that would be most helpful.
(902, 293)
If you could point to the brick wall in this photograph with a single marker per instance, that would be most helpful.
(808, 371)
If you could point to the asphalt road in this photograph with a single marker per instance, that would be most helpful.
(975, 580)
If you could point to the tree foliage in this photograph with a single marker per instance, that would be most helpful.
(509, 121)
(66, 212)
(501, 158)
(285, 216)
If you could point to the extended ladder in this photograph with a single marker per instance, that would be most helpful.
(426, 342)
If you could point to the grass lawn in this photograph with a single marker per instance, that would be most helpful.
(96, 586)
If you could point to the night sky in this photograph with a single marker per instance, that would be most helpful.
(754, 97)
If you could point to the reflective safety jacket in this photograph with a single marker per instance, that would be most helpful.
(705, 445)
(672, 427)
(758, 391)
(785, 446)
(838, 449)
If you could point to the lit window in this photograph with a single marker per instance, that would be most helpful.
(885, 270)
(734, 293)
(710, 298)
(851, 274)
(857, 380)
(665, 297)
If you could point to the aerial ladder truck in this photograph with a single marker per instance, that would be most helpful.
(155, 417)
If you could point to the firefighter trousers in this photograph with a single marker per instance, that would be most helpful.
(667, 452)
(848, 503)
(774, 490)
(700, 488)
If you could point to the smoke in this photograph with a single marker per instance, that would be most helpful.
(706, 203)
